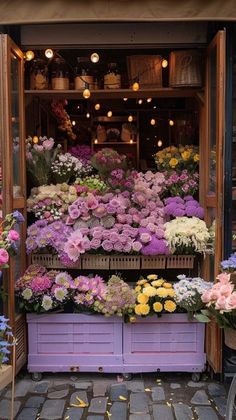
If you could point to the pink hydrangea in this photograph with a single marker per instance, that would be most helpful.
(40, 284)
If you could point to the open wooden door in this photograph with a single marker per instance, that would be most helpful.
(12, 153)
(212, 170)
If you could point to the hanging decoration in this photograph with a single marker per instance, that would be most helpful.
(65, 124)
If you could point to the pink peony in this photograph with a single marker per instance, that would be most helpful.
(13, 235)
(4, 256)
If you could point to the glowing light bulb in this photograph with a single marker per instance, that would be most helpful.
(29, 55)
(135, 86)
(96, 141)
(86, 93)
(171, 123)
(88, 115)
(35, 139)
(97, 107)
(125, 99)
(159, 143)
(131, 141)
(149, 99)
(73, 122)
(48, 53)
(94, 57)
(164, 63)
(78, 106)
(153, 121)
(130, 118)
(140, 101)
(109, 114)
(154, 107)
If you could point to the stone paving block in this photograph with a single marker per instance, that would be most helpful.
(140, 417)
(5, 407)
(35, 402)
(74, 413)
(138, 403)
(192, 384)
(82, 385)
(175, 386)
(98, 405)
(118, 390)
(216, 390)
(119, 411)
(135, 386)
(220, 403)
(52, 410)
(80, 394)
(58, 394)
(206, 413)
(41, 387)
(158, 394)
(100, 388)
(21, 389)
(95, 418)
(200, 398)
(182, 412)
(28, 414)
(162, 412)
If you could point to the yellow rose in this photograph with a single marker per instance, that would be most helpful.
(137, 288)
(152, 276)
(167, 285)
(137, 309)
(149, 291)
(185, 155)
(142, 298)
(141, 282)
(169, 306)
(144, 309)
(162, 292)
(157, 283)
(173, 162)
(196, 157)
(157, 306)
(171, 293)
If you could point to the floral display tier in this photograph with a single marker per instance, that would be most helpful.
(92, 343)
(121, 262)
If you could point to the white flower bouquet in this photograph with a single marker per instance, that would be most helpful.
(67, 166)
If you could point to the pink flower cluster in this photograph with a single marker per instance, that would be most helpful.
(221, 296)
(88, 290)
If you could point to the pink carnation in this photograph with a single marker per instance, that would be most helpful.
(13, 235)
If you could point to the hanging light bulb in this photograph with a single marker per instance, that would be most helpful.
(96, 141)
(88, 115)
(35, 139)
(155, 107)
(48, 53)
(171, 123)
(109, 114)
(159, 143)
(94, 57)
(125, 99)
(130, 118)
(78, 106)
(131, 141)
(135, 86)
(153, 121)
(97, 107)
(140, 101)
(29, 55)
(164, 63)
(73, 122)
(149, 99)
(86, 93)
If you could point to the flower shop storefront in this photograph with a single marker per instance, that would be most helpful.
(118, 170)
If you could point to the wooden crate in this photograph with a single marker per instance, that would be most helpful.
(51, 261)
(147, 69)
(95, 262)
(156, 261)
(185, 68)
(180, 261)
(124, 262)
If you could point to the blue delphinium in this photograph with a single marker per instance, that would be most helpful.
(5, 333)
(230, 264)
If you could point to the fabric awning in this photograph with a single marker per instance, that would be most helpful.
(53, 11)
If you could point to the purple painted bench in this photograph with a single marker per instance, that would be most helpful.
(94, 343)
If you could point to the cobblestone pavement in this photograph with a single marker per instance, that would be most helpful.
(98, 397)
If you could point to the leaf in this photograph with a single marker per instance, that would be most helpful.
(205, 312)
(122, 398)
(201, 318)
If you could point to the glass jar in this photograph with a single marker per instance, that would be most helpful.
(39, 75)
(112, 79)
(83, 74)
(60, 74)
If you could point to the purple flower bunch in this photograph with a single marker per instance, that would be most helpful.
(229, 265)
(121, 180)
(186, 206)
(88, 290)
(106, 160)
(81, 152)
(150, 184)
(181, 184)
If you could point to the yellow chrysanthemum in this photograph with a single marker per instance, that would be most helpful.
(157, 283)
(137, 288)
(142, 298)
(173, 162)
(186, 155)
(169, 306)
(162, 292)
(141, 282)
(137, 309)
(167, 285)
(196, 157)
(144, 309)
(171, 293)
(157, 306)
(149, 291)
(152, 276)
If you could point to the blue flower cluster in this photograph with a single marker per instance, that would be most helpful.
(230, 264)
(5, 333)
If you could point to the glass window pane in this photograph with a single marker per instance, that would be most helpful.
(15, 124)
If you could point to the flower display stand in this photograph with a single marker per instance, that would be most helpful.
(94, 343)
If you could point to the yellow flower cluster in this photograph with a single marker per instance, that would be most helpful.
(177, 157)
(154, 295)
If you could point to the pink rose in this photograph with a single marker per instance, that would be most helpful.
(137, 246)
(223, 278)
(207, 296)
(226, 290)
(13, 235)
(145, 237)
(221, 303)
(48, 144)
(231, 302)
(4, 256)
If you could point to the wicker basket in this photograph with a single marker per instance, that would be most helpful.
(50, 261)
(125, 262)
(157, 261)
(185, 68)
(95, 262)
(180, 261)
(146, 68)
(230, 338)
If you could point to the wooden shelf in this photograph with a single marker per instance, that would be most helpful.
(115, 143)
(117, 93)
